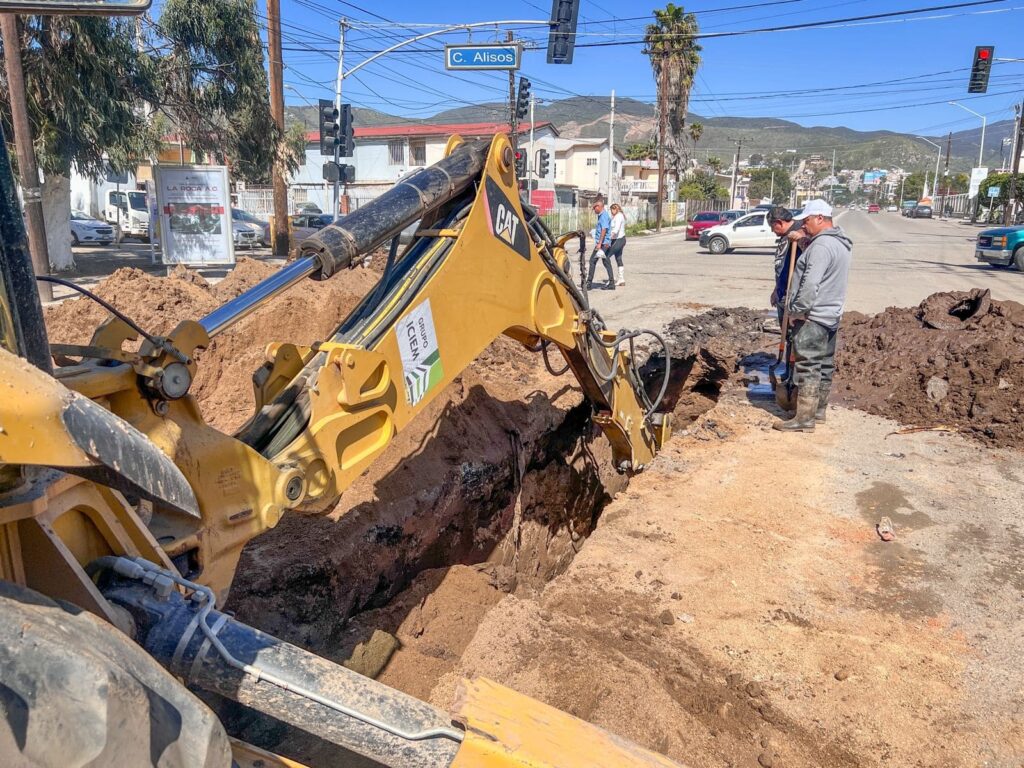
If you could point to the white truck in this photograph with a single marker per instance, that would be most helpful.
(114, 200)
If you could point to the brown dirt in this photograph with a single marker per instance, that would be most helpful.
(305, 313)
(924, 366)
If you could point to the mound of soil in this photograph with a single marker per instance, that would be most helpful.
(956, 360)
(303, 314)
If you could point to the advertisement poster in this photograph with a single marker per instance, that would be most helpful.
(978, 175)
(194, 203)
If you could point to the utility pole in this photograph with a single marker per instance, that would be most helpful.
(533, 180)
(337, 105)
(1018, 142)
(513, 121)
(832, 179)
(611, 150)
(29, 172)
(280, 244)
(661, 143)
(735, 172)
(945, 173)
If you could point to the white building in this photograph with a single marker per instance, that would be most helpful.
(588, 167)
(385, 153)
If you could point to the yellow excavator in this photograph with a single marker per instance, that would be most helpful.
(123, 513)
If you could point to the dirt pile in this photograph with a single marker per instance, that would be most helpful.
(303, 314)
(957, 359)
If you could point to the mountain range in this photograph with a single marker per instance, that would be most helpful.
(636, 122)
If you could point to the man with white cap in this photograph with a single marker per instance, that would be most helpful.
(816, 301)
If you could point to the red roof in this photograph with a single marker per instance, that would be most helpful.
(417, 130)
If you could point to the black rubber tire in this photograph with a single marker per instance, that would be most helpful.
(1018, 258)
(105, 243)
(718, 245)
(74, 239)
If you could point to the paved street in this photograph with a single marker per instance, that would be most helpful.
(897, 262)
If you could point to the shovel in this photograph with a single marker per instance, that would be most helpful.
(784, 397)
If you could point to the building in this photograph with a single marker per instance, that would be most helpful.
(639, 180)
(386, 153)
(585, 168)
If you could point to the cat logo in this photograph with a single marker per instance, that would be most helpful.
(504, 221)
(506, 224)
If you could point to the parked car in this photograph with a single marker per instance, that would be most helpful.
(86, 229)
(1001, 247)
(907, 206)
(892, 208)
(750, 231)
(700, 222)
(244, 235)
(305, 224)
(261, 228)
(921, 212)
(732, 214)
(874, 208)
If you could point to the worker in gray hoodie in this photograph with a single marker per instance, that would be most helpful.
(816, 301)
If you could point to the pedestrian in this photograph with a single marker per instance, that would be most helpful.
(816, 300)
(780, 220)
(618, 236)
(602, 242)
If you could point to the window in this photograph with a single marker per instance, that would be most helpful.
(396, 152)
(615, 166)
(707, 217)
(554, 170)
(417, 152)
(591, 161)
(751, 221)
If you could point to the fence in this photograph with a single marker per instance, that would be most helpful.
(259, 201)
(568, 218)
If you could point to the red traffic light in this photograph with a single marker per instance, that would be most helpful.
(984, 53)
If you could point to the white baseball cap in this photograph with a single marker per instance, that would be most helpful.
(815, 208)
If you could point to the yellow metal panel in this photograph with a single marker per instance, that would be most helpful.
(505, 728)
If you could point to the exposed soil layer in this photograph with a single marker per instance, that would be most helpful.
(955, 360)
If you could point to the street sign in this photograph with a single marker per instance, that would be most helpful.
(494, 56)
(993, 191)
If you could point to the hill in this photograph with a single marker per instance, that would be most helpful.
(636, 122)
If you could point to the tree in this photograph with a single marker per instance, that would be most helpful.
(999, 179)
(675, 57)
(715, 164)
(761, 184)
(756, 159)
(84, 86)
(701, 185)
(913, 186)
(641, 151)
(696, 131)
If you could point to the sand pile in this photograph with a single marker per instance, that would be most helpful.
(957, 359)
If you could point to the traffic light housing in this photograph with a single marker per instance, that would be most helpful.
(333, 171)
(520, 163)
(562, 37)
(523, 99)
(328, 127)
(980, 69)
(543, 163)
(346, 133)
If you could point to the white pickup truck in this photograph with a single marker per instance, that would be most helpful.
(750, 231)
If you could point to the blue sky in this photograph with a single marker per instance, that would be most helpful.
(928, 57)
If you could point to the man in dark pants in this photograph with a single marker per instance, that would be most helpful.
(602, 242)
(816, 301)
(783, 227)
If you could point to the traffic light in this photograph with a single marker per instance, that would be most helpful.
(520, 163)
(328, 127)
(562, 37)
(346, 133)
(523, 99)
(980, 69)
(543, 163)
(339, 172)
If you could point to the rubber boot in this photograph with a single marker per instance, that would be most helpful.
(819, 415)
(622, 276)
(806, 407)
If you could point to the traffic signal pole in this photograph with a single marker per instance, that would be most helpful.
(335, 210)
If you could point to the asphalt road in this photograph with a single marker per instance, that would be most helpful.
(897, 262)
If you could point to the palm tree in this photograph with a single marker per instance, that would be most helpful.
(696, 131)
(675, 57)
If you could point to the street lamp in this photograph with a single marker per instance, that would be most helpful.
(981, 149)
(938, 158)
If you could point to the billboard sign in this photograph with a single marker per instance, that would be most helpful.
(194, 204)
(978, 175)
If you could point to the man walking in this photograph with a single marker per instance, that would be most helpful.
(602, 241)
(816, 301)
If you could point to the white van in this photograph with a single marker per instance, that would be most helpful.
(750, 231)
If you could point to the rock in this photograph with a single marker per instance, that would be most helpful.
(371, 656)
(723, 710)
(937, 389)
(754, 689)
(676, 596)
(765, 760)
(734, 679)
(667, 618)
(841, 674)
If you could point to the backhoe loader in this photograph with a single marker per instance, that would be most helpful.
(123, 514)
